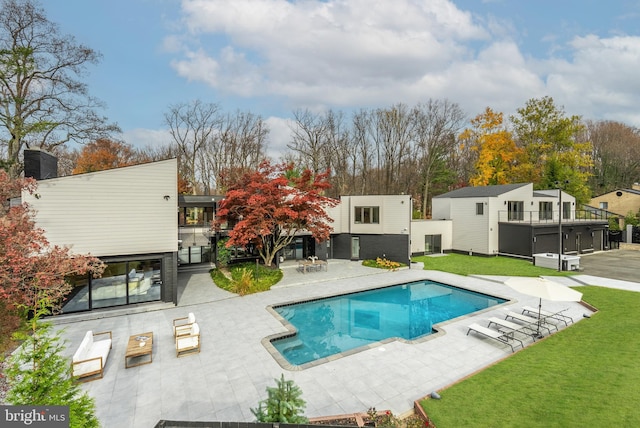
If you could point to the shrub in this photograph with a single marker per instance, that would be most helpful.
(243, 284)
(284, 404)
(382, 263)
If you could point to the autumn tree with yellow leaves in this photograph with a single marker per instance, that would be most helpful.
(498, 155)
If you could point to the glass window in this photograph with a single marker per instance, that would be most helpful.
(78, 298)
(604, 205)
(111, 288)
(479, 208)
(367, 215)
(566, 210)
(195, 216)
(516, 210)
(144, 280)
(546, 210)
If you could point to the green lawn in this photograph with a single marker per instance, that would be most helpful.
(586, 375)
(468, 265)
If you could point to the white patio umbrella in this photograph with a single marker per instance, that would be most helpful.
(543, 289)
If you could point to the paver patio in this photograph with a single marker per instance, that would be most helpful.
(230, 374)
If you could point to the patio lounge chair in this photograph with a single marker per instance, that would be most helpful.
(182, 326)
(532, 322)
(494, 334)
(513, 327)
(546, 314)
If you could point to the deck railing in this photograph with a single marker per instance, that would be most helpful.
(550, 217)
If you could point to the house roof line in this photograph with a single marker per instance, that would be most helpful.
(482, 191)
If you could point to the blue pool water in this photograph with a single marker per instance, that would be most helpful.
(341, 323)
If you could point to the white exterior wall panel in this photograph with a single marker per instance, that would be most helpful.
(114, 212)
(420, 228)
(472, 236)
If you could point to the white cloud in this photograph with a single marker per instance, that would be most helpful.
(600, 80)
(279, 136)
(362, 53)
(141, 138)
(315, 51)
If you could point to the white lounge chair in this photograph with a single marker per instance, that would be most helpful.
(526, 320)
(546, 314)
(494, 334)
(513, 327)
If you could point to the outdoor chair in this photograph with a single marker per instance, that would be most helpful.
(494, 334)
(528, 310)
(526, 320)
(513, 327)
(187, 344)
(182, 326)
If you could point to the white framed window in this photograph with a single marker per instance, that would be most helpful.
(367, 215)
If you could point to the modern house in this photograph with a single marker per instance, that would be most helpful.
(133, 219)
(370, 226)
(515, 220)
(127, 217)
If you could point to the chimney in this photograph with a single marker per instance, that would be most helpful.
(39, 164)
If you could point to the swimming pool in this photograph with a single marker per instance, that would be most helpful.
(335, 325)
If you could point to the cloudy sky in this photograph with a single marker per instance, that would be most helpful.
(271, 57)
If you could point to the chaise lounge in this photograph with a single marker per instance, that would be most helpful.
(546, 314)
(494, 334)
(526, 320)
(513, 327)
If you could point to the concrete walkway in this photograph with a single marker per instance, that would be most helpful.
(229, 376)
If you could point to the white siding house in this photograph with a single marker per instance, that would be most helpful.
(130, 210)
(476, 212)
(128, 218)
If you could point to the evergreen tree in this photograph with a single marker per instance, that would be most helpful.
(284, 404)
(39, 376)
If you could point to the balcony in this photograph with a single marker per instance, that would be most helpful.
(549, 217)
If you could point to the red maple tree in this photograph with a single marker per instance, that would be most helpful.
(269, 206)
(32, 272)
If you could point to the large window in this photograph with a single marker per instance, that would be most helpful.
(516, 210)
(195, 216)
(121, 283)
(546, 210)
(367, 215)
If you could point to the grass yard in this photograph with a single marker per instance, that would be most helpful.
(475, 265)
(586, 375)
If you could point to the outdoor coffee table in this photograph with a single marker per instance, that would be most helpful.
(139, 345)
